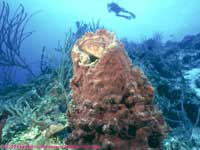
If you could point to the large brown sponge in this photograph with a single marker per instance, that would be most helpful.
(113, 100)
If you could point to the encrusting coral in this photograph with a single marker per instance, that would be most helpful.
(113, 100)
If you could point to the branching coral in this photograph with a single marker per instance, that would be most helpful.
(12, 35)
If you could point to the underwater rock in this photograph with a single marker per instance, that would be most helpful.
(54, 129)
(113, 100)
(192, 76)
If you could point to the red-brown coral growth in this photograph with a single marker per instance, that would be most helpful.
(113, 100)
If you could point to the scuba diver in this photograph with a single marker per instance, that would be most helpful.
(117, 10)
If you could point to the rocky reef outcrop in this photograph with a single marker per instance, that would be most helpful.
(113, 100)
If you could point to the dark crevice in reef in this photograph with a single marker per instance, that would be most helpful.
(93, 58)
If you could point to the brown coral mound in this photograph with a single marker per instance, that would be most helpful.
(113, 100)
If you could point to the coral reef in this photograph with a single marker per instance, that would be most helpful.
(35, 111)
(28, 119)
(113, 100)
(173, 142)
(173, 69)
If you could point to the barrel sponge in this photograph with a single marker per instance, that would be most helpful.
(113, 100)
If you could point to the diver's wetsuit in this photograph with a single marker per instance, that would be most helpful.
(117, 9)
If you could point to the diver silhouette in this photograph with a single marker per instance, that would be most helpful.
(113, 7)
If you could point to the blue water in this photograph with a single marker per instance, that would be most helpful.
(173, 18)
